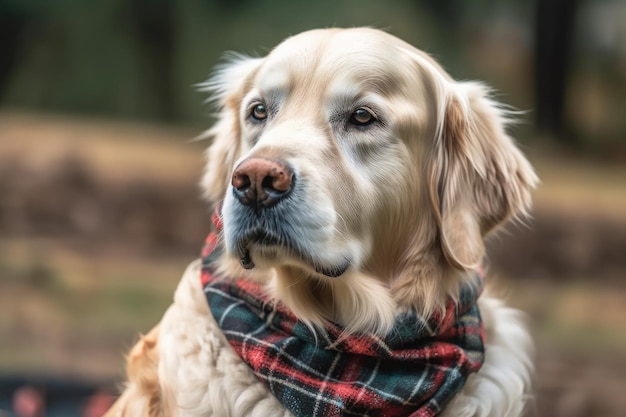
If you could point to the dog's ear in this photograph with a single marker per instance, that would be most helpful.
(226, 88)
(478, 177)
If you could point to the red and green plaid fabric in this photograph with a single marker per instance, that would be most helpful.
(413, 371)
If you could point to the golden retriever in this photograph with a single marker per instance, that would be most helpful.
(357, 181)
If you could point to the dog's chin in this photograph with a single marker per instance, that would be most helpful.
(264, 256)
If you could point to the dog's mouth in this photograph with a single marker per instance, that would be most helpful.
(263, 243)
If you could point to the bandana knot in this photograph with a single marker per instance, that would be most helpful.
(413, 371)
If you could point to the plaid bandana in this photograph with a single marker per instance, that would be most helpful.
(413, 371)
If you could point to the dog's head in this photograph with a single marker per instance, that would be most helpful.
(357, 177)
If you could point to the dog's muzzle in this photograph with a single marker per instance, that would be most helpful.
(261, 183)
(267, 214)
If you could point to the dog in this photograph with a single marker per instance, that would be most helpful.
(354, 183)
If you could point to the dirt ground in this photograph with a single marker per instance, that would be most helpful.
(98, 220)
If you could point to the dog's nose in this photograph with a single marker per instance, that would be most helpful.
(261, 182)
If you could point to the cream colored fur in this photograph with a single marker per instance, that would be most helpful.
(407, 200)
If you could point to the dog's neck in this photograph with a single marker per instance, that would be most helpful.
(410, 262)
(356, 301)
(362, 302)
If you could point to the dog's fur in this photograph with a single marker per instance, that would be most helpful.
(403, 203)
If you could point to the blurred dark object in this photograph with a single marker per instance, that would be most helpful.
(449, 11)
(14, 20)
(53, 397)
(553, 43)
(152, 28)
(230, 6)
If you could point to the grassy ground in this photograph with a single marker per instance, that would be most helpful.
(81, 274)
(72, 312)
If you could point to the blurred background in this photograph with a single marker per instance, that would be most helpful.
(99, 203)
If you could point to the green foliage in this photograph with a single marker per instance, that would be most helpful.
(140, 59)
(86, 57)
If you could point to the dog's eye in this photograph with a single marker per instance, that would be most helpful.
(259, 112)
(362, 117)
